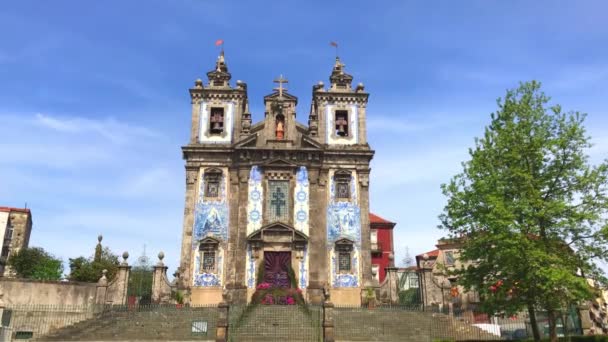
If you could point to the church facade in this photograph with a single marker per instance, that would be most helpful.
(269, 200)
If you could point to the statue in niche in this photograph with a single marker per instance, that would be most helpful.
(280, 131)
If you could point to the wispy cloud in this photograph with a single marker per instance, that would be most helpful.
(109, 128)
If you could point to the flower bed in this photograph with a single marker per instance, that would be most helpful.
(266, 294)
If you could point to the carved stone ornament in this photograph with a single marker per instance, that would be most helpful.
(191, 177)
(364, 180)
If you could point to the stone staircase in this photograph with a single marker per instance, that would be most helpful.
(166, 324)
(275, 323)
(268, 323)
(402, 325)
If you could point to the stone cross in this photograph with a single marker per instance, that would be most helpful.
(278, 201)
(280, 81)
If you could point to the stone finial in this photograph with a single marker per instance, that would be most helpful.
(360, 87)
(125, 256)
(198, 84)
(99, 238)
(103, 281)
(161, 256)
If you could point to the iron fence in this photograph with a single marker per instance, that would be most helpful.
(275, 323)
(267, 323)
(111, 322)
(418, 323)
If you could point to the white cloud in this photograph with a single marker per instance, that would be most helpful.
(109, 128)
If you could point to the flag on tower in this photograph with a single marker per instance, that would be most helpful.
(219, 42)
(334, 44)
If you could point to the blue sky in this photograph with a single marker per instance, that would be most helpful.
(94, 104)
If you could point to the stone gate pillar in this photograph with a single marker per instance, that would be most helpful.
(221, 334)
(122, 280)
(161, 290)
(328, 322)
(102, 289)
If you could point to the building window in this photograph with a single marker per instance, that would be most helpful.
(208, 252)
(212, 181)
(341, 123)
(216, 120)
(344, 262)
(342, 180)
(449, 258)
(344, 250)
(208, 261)
(413, 282)
(277, 202)
(374, 236)
(5, 251)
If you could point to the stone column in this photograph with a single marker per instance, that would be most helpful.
(158, 279)
(318, 269)
(122, 280)
(366, 256)
(185, 280)
(328, 322)
(221, 334)
(196, 110)
(393, 284)
(102, 289)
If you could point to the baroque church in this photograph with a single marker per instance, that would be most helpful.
(277, 196)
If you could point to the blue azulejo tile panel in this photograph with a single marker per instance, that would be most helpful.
(351, 279)
(207, 279)
(250, 268)
(344, 222)
(301, 195)
(210, 215)
(303, 270)
(254, 202)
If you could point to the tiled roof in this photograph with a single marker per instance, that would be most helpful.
(373, 218)
(433, 253)
(9, 209)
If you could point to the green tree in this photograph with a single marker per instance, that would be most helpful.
(529, 208)
(90, 269)
(36, 263)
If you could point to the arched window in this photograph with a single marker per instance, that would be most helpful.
(216, 120)
(341, 120)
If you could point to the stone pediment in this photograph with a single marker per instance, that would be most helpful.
(277, 232)
(344, 241)
(286, 96)
(279, 163)
(209, 240)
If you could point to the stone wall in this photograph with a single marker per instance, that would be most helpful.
(26, 291)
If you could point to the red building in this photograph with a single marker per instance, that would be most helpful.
(382, 249)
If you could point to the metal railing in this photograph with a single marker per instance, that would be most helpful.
(108, 322)
(266, 322)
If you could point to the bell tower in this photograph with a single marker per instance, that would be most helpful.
(218, 109)
(337, 114)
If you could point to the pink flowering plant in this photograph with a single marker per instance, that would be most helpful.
(263, 286)
(277, 294)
